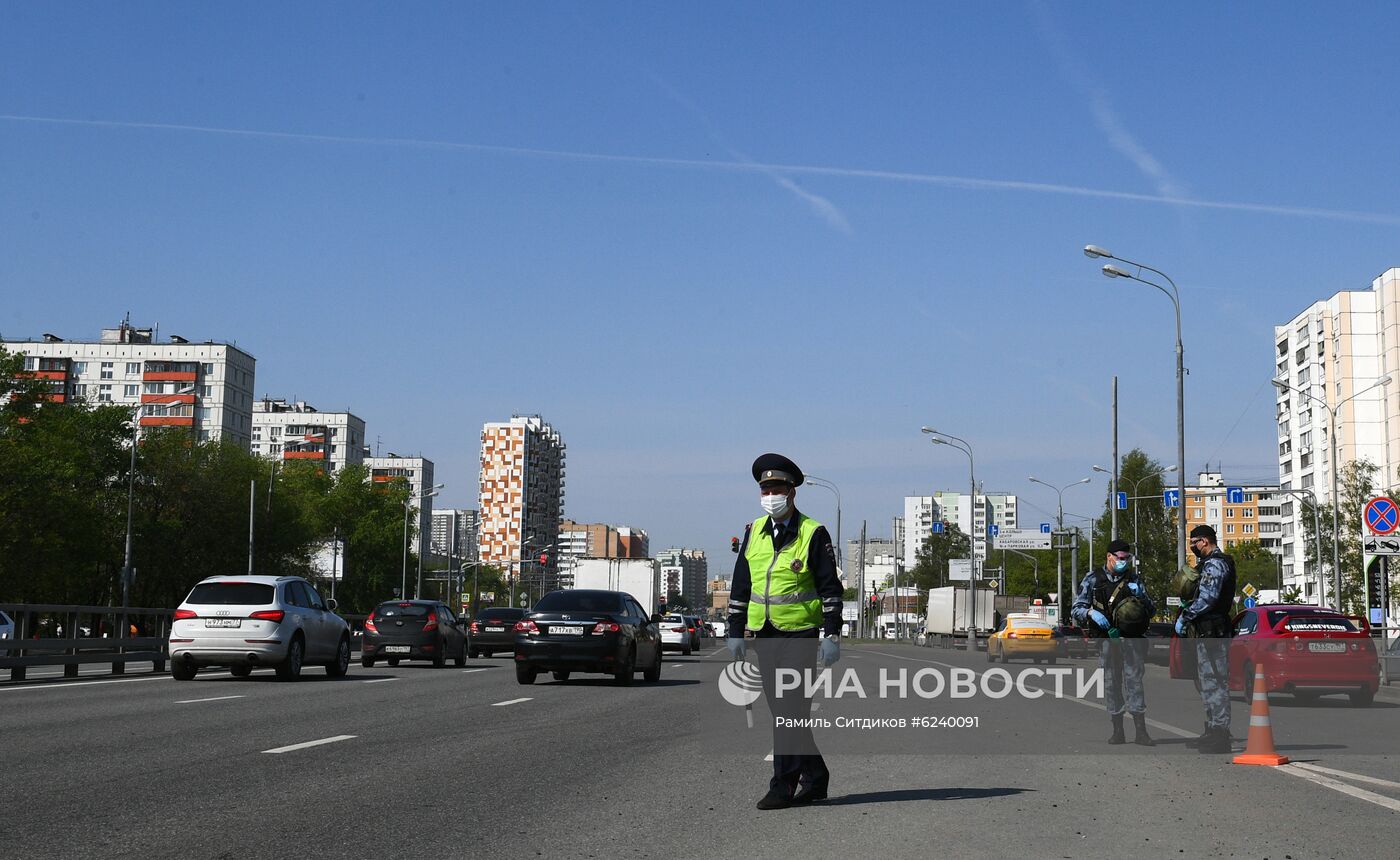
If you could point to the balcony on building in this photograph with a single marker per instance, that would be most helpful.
(171, 371)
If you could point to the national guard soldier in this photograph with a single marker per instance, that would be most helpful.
(1113, 605)
(1206, 618)
(785, 594)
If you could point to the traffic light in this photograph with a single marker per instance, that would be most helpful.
(544, 558)
(733, 544)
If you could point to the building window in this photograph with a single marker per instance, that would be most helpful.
(208, 369)
(1247, 513)
(1229, 528)
(106, 370)
(274, 431)
(104, 394)
(1197, 513)
(80, 367)
(133, 368)
(131, 390)
(1229, 513)
(80, 390)
(31, 363)
(1249, 528)
(205, 390)
(203, 413)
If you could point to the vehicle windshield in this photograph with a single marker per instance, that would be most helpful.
(1034, 623)
(579, 601)
(231, 594)
(401, 610)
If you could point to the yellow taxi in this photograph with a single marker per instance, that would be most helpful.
(1024, 636)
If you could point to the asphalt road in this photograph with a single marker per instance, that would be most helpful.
(412, 761)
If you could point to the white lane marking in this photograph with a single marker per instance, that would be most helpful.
(70, 684)
(511, 702)
(303, 746)
(377, 680)
(469, 671)
(1344, 774)
(768, 757)
(1351, 790)
(214, 699)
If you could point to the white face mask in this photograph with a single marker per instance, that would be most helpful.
(776, 506)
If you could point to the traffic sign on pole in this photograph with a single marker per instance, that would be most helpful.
(1045, 528)
(1234, 495)
(1022, 539)
(1381, 516)
(993, 529)
(937, 528)
(1171, 498)
(1122, 501)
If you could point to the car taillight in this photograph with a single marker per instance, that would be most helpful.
(369, 625)
(1011, 636)
(474, 628)
(273, 615)
(677, 629)
(526, 626)
(606, 627)
(431, 625)
(181, 614)
(690, 629)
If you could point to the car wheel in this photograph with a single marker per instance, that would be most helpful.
(240, 671)
(623, 677)
(461, 659)
(342, 661)
(290, 668)
(440, 656)
(524, 675)
(1362, 698)
(653, 673)
(561, 676)
(367, 662)
(183, 671)
(686, 650)
(1004, 658)
(473, 653)
(991, 658)
(392, 661)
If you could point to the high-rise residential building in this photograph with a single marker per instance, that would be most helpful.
(1335, 350)
(881, 555)
(950, 506)
(205, 387)
(522, 492)
(1255, 514)
(454, 533)
(683, 573)
(600, 540)
(418, 472)
(299, 431)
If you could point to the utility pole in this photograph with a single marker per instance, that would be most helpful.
(252, 506)
(1113, 506)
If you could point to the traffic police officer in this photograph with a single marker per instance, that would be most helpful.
(784, 595)
(1206, 618)
(1106, 597)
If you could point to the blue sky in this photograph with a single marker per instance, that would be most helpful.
(686, 234)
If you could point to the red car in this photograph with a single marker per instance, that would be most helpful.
(1305, 650)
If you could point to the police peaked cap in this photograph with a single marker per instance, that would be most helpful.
(776, 467)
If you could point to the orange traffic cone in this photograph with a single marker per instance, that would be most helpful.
(1259, 749)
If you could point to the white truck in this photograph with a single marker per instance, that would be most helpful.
(639, 577)
(948, 611)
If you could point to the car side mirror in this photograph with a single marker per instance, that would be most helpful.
(331, 604)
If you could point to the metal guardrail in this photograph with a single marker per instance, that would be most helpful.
(44, 637)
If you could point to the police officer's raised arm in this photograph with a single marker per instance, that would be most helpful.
(821, 560)
(740, 588)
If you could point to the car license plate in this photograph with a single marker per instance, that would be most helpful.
(1327, 647)
(567, 631)
(495, 630)
(397, 649)
(223, 622)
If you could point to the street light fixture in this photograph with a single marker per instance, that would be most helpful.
(941, 438)
(1112, 271)
(1059, 527)
(840, 548)
(1335, 467)
(407, 507)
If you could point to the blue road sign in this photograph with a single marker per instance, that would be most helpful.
(938, 528)
(1234, 495)
(1122, 501)
(1382, 517)
(1171, 498)
(1045, 528)
(1250, 603)
(993, 530)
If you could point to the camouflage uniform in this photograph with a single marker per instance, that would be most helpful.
(1208, 619)
(1123, 660)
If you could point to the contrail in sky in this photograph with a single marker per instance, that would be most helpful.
(764, 168)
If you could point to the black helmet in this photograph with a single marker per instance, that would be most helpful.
(1130, 617)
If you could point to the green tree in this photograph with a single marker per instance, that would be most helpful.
(1357, 484)
(1156, 526)
(930, 568)
(1254, 564)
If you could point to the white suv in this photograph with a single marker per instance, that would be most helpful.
(247, 621)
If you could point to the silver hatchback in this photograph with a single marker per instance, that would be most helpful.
(243, 622)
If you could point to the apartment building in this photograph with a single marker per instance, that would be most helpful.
(683, 573)
(949, 506)
(522, 492)
(297, 430)
(880, 560)
(454, 533)
(418, 472)
(204, 387)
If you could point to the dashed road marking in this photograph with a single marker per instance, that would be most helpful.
(213, 699)
(469, 671)
(1310, 775)
(511, 702)
(303, 746)
(377, 680)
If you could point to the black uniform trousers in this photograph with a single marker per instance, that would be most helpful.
(795, 755)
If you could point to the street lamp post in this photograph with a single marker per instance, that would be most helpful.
(1059, 527)
(840, 549)
(1111, 271)
(1335, 467)
(1136, 484)
(407, 508)
(941, 438)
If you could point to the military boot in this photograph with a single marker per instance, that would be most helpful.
(1140, 735)
(1218, 742)
(1117, 736)
(1196, 741)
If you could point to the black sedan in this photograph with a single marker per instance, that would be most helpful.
(493, 630)
(1159, 642)
(581, 630)
(413, 630)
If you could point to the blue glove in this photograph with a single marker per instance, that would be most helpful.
(737, 647)
(1136, 589)
(1180, 627)
(1113, 633)
(828, 651)
(1099, 618)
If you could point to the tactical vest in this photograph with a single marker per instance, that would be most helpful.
(1226, 602)
(1108, 596)
(784, 593)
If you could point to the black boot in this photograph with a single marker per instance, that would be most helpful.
(774, 800)
(1117, 737)
(1198, 739)
(1140, 735)
(1218, 742)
